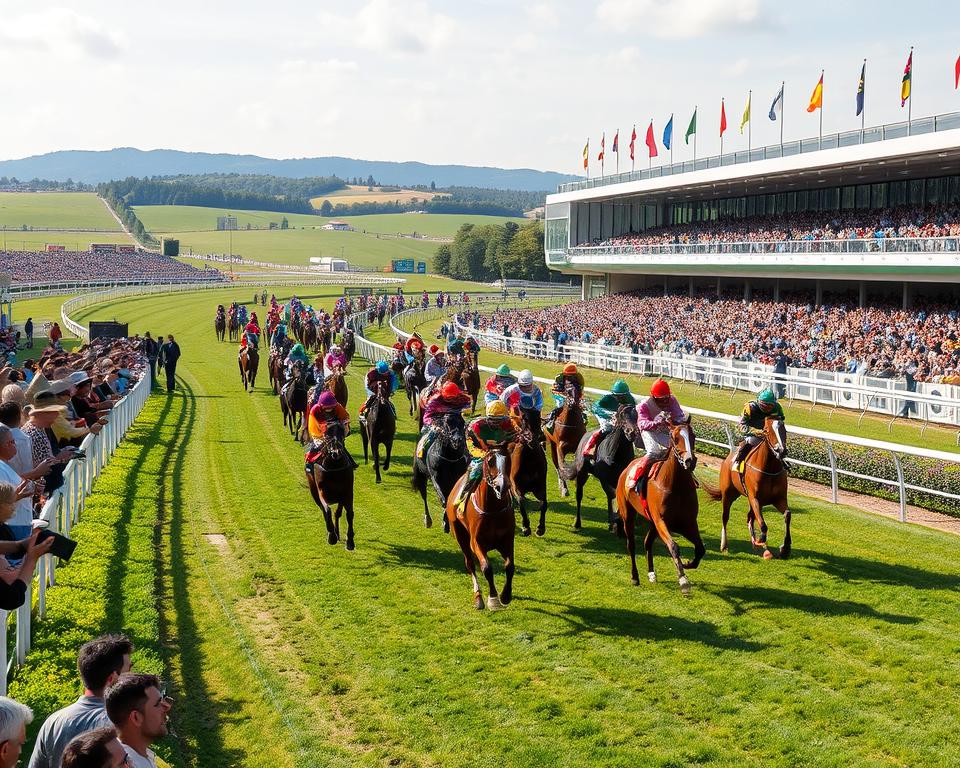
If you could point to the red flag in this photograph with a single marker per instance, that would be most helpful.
(603, 140)
(650, 141)
(633, 138)
(616, 142)
(956, 74)
(723, 118)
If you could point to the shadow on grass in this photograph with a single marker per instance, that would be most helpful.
(856, 569)
(440, 558)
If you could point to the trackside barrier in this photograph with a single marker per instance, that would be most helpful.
(729, 425)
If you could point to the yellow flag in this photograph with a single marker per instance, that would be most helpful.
(746, 113)
(816, 98)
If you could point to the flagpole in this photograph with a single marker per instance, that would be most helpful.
(863, 112)
(603, 152)
(695, 138)
(633, 149)
(721, 132)
(617, 135)
(672, 142)
(910, 105)
(650, 156)
(783, 113)
(820, 138)
(750, 123)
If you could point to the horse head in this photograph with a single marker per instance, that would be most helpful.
(684, 445)
(776, 436)
(382, 392)
(625, 420)
(451, 428)
(496, 470)
(573, 393)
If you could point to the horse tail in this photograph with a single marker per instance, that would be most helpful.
(711, 491)
(569, 471)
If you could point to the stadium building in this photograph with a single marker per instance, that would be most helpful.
(588, 223)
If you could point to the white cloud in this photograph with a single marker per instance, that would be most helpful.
(739, 67)
(393, 26)
(624, 57)
(682, 19)
(61, 31)
(544, 14)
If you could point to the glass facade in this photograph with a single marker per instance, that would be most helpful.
(555, 234)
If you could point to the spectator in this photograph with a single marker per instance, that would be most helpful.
(100, 662)
(138, 708)
(28, 332)
(99, 748)
(22, 464)
(14, 719)
(170, 353)
(55, 335)
(13, 581)
(39, 428)
(151, 348)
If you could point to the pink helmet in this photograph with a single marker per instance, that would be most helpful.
(327, 399)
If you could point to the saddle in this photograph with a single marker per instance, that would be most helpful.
(592, 443)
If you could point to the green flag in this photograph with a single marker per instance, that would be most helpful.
(692, 128)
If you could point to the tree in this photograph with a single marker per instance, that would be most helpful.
(441, 260)
(284, 224)
(370, 181)
(433, 186)
(326, 208)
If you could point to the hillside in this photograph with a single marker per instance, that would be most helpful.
(93, 167)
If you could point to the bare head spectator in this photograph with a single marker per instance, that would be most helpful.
(96, 749)
(12, 393)
(32, 266)
(14, 719)
(100, 663)
(138, 708)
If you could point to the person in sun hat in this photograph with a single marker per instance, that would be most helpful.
(500, 380)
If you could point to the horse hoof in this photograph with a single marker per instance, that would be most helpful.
(332, 539)
(635, 582)
(350, 545)
(379, 480)
(478, 603)
(446, 525)
(652, 577)
(505, 598)
(564, 493)
(541, 530)
(684, 585)
(576, 526)
(427, 521)
(767, 554)
(525, 531)
(493, 603)
(784, 552)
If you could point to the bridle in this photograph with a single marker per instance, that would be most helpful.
(688, 458)
(496, 482)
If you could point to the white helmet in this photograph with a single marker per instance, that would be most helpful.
(525, 377)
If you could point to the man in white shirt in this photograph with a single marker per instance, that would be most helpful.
(138, 709)
(20, 463)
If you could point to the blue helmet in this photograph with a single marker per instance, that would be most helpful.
(382, 366)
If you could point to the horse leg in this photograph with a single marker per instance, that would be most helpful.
(363, 439)
(486, 568)
(463, 539)
(349, 511)
(375, 446)
(542, 525)
(729, 496)
(508, 567)
(784, 510)
(648, 541)
(333, 535)
(525, 526)
(699, 550)
(756, 515)
(581, 480)
(388, 446)
(672, 548)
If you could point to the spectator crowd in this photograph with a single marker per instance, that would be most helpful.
(32, 266)
(881, 340)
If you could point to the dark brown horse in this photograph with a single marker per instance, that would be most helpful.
(470, 380)
(249, 361)
(379, 427)
(349, 345)
(672, 505)
(569, 427)
(324, 339)
(220, 326)
(489, 523)
(763, 482)
(414, 383)
(444, 463)
(293, 401)
(528, 470)
(338, 386)
(308, 335)
(331, 484)
(233, 327)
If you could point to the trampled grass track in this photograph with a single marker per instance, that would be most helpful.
(287, 651)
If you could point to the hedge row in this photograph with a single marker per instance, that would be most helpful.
(110, 583)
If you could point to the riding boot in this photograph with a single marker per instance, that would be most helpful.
(460, 505)
(641, 484)
(552, 417)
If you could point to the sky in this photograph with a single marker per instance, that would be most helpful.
(507, 83)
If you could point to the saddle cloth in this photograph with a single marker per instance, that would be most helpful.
(633, 472)
(592, 443)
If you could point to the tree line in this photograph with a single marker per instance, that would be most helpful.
(259, 184)
(13, 184)
(437, 205)
(134, 191)
(488, 252)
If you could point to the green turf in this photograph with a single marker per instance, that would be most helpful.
(286, 651)
(62, 210)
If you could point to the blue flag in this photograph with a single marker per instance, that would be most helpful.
(860, 88)
(668, 133)
(777, 102)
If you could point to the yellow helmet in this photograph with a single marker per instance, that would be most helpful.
(496, 408)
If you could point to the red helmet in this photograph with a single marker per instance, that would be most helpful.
(660, 389)
(398, 345)
(434, 349)
(450, 390)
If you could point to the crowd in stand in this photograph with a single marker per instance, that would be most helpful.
(31, 266)
(881, 340)
(908, 221)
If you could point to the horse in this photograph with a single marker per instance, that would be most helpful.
(444, 463)
(381, 311)
(293, 400)
(528, 469)
(308, 335)
(349, 345)
(413, 383)
(569, 428)
(488, 524)
(671, 505)
(379, 428)
(470, 380)
(249, 361)
(763, 482)
(331, 483)
(275, 366)
(220, 326)
(338, 386)
(233, 327)
(324, 339)
(611, 458)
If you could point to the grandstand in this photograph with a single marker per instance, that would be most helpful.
(103, 262)
(874, 213)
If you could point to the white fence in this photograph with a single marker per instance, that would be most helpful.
(833, 468)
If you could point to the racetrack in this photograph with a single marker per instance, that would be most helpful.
(288, 652)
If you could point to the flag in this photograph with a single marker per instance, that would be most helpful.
(668, 133)
(723, 118)
(816, 98)
(692, 128)
(956, 74)
(905, 85)
(586, 155)
(746, 113)
(651, 142)
(777, 104)
(616, 142)
(861, 87)
(603, 140)
(633, 141)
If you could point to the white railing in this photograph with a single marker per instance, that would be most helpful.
(61, 512)
(373, 351)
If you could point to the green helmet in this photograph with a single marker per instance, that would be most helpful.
(503, 370)
(620, 387)
(767, 397)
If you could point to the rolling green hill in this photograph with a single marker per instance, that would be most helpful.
(60, 210)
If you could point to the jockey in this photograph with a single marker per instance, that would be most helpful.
(251, 334)
(569, 375)
(455, 348)
(449, 399)
(335, 361)
(494, 429)
(472, 347)
(279, 334)
(327, 415)
(497, 383)
(655, 416)
(220, 311)
(606, 408)
(411, 346)
(436, 365)
(399, 356)
(242, 314)
(379, 373)
(755, 413)
(525, 395)
(297, 354)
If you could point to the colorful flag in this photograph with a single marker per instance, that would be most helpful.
(816, 98)
(586, 155)
(956, 74)
(616, 142)
(651, 142)
(861, 87)
(905, 85)
(668, 133)
(777, 104)
(723, 118)
(692, 128)
(633, 141)
(746, 113)
(603, 140)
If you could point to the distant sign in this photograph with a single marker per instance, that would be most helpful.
(51, 248)
(403, 265)
(127, 249)
(421, 267)
(103, 247)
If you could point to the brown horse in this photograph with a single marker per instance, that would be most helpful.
(763, 482)
(528, 470)
(308, 336)
(249, 361)
(489, 523)
(331, 483)
(220, 326)
(569, 427)
(470, 380)
(672, 505)
(338, 386)
(233, 327)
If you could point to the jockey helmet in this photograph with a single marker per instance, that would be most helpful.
(297, 351)
(620, 387)
(496, 408)
(767, 398)
(398, 345)
(327, 399)
(433, 349)
(570, 368)
(660, 389)
(382, 366)
(525, 378)
(335, 348)
(450, 390)
(503, 370)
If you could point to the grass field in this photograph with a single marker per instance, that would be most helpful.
(285, 651)
(74, 241)
(63, 210)
(362, 194)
